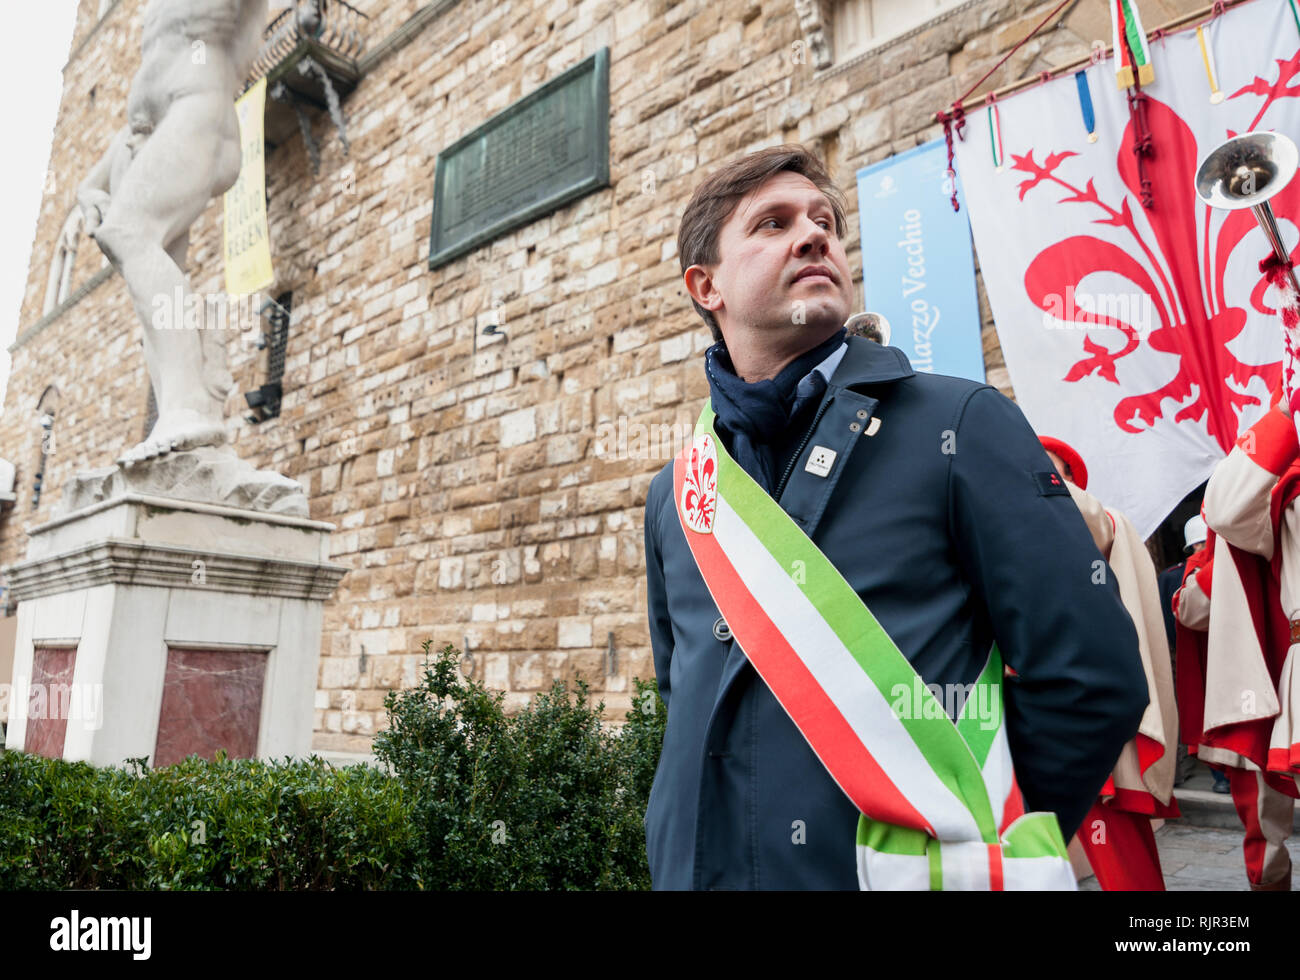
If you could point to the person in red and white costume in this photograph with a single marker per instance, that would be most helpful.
(1116, 835)
(1237, 681)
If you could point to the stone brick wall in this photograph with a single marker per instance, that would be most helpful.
(472, 495)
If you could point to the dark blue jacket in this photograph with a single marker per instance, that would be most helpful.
(947, 525)
(1170, 581)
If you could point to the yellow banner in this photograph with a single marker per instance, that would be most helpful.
(247, 244)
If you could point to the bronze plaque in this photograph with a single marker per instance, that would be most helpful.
(549, 148)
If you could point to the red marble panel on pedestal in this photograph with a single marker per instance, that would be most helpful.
(212, 699)
(47, 721)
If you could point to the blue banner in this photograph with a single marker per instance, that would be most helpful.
(917, 264)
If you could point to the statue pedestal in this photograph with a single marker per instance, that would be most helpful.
(155, 627)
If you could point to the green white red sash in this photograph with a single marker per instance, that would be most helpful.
(939, 802)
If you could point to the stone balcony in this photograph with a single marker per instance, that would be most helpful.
(309, 58)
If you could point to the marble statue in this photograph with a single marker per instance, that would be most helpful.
(179, 149)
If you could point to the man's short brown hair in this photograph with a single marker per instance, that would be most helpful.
(714, 200)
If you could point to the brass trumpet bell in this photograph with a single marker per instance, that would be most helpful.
(873, 326)
(1246, 171)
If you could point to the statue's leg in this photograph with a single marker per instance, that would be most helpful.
(168, 185)
(178, 250)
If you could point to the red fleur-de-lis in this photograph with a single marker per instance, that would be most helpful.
(1185, 293)
(700, 486)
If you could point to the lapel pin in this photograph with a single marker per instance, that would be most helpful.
(820, 461)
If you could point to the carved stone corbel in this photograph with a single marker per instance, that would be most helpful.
(816, 23)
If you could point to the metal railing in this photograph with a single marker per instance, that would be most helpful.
(333, 24)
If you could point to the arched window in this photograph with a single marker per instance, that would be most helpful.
(59, 284)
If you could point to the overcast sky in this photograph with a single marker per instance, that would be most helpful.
(40, 40)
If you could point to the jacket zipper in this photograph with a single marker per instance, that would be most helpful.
(821, 410)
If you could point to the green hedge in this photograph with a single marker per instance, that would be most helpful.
(471, 800)
(228, 823)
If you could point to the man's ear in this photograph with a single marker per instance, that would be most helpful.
(699, 283)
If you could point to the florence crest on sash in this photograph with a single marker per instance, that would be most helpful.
(700, 485)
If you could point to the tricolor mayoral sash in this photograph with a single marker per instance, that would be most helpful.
(939, 801)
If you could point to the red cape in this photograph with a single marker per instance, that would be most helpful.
(1261, 580)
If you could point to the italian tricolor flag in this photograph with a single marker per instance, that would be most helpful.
(1132, 53)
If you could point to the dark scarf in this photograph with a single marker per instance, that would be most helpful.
(762, 419)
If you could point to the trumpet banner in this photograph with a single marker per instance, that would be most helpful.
(1144, 337)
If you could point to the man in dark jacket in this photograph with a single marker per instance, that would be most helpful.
(932, 497)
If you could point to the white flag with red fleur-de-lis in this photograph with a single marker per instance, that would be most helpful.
(1145, 337)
